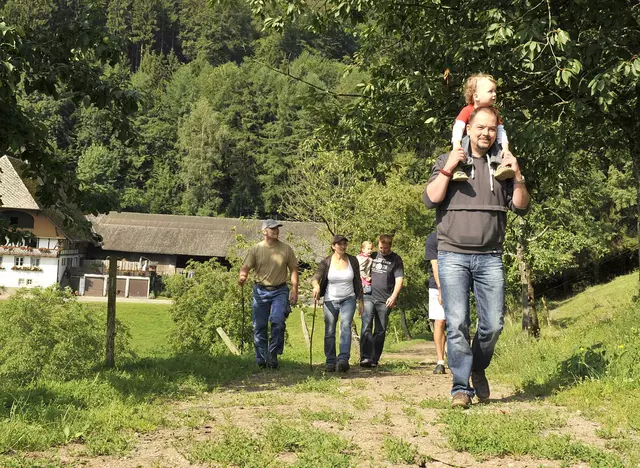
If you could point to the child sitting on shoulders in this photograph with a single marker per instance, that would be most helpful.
(480, 91)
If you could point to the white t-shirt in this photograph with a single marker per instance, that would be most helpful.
(339, 283)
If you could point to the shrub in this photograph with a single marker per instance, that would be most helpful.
(47, 333)
(589, 362)
(206, 298)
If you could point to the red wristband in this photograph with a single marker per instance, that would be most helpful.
(445, 173)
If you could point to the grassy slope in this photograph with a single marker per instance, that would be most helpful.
(587, 359)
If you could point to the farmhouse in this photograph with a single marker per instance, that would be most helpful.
(55, 247)
(156, 244)
(168, 242)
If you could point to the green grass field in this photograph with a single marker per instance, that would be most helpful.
(148, 323)
(585, 360)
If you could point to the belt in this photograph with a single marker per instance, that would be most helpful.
(271, 288)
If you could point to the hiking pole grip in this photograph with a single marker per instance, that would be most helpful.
(313, 326)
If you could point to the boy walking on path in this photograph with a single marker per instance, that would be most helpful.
(270, 260)
(436, 311)
(387, 275)
(471, 222)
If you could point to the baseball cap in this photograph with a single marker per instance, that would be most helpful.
(270, 224)
(339, 238)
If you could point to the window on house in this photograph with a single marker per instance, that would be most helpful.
(18, 261)
(29, 282)
(64, 261)
(20, 281)
(35, 261)
(13, 220)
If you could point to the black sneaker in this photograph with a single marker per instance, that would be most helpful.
(481, 385)
(343, 366)
(330, 368)
(439, 369)
(374, 365)
(262, 365)
(366, 363)
(272, 364)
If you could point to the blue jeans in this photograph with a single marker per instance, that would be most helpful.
(345, 308)
(458, 274)
(269, 306)
(371, 344)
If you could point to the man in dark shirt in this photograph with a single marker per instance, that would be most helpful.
(387, 275)
(471, 220)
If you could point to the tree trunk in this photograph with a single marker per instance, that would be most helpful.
(634, 147)
(403, 322)
(529, 315)
(111, 313)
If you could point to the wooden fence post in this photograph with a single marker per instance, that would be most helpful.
(111, 313)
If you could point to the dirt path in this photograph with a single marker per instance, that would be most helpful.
(401, 399)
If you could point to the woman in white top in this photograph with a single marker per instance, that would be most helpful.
(337, 279)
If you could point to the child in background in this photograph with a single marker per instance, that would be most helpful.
(480, 91)
(364, 259)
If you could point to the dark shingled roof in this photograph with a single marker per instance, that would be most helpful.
(195, 235)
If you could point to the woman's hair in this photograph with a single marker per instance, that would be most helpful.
(364, 243)
(472, 83)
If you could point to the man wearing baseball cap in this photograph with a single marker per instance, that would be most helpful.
(270, 260)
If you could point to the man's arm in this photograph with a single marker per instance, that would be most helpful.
(248, 263)
(293, 297)
(436, 189)
(244, 272)
(521, 195)
(391, 302)
(292, 263)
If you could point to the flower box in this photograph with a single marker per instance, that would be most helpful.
(26, 268)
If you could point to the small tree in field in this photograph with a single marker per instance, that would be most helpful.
(206, 298)
(47, 333)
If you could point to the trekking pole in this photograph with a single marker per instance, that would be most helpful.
(242, 333)
(313, 325)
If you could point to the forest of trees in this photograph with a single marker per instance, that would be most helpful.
(334, 114)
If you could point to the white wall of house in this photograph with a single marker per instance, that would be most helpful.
(47, 243)
(21, 278)
(67, 261)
